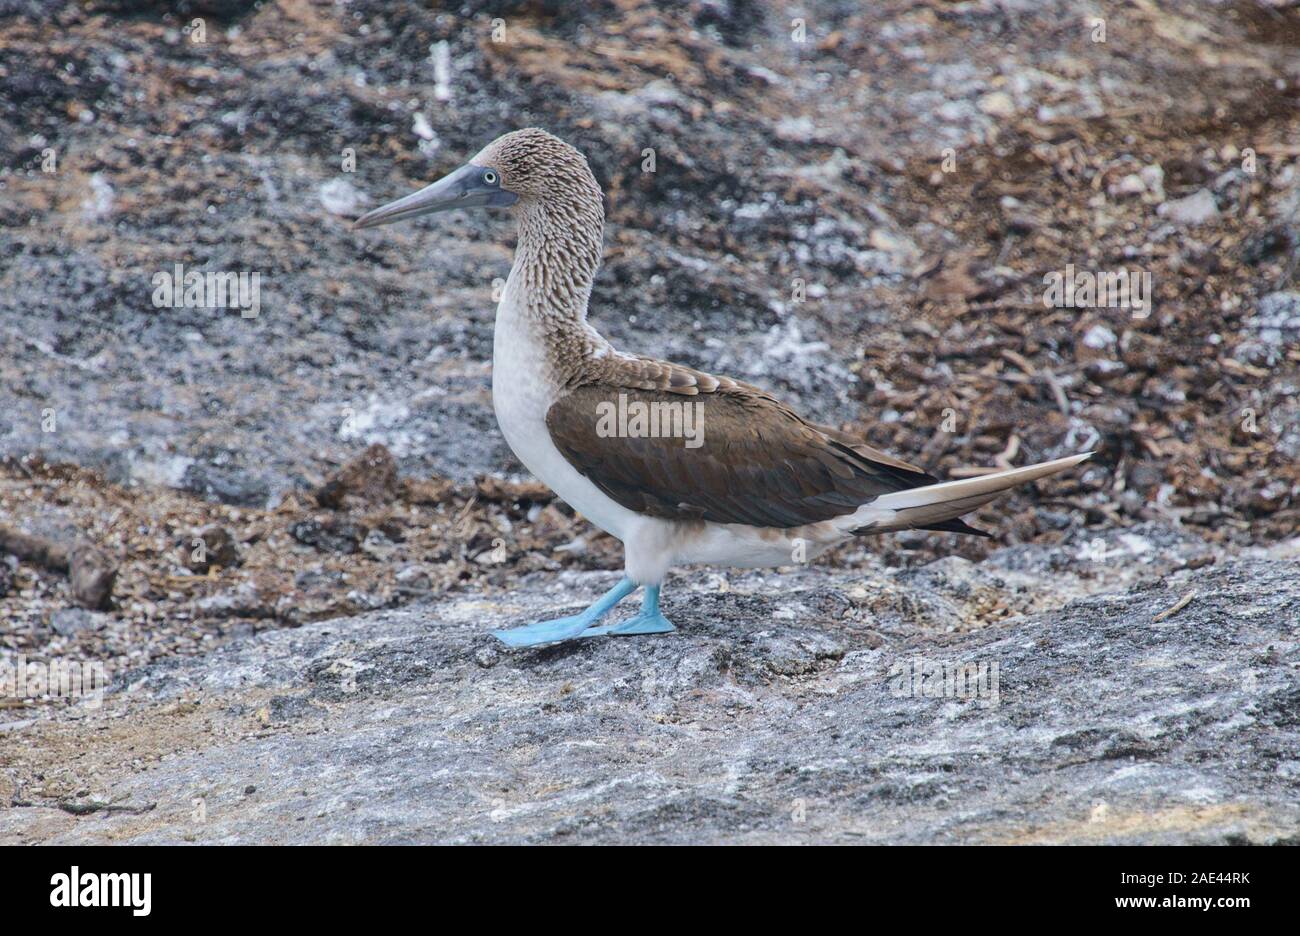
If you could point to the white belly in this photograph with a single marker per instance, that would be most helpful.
(521, 396)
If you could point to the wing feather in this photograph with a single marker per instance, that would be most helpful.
(758, 463)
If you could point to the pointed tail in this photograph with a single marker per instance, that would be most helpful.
(936, 503)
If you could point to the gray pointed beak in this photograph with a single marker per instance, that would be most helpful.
(467, 187)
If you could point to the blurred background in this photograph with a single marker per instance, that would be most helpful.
(858, 206)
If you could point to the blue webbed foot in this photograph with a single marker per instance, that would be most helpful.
(640, 624)
(649, 621)
(530, 635)
(565, 628)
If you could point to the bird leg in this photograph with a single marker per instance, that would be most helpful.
(649, 621)
(566, 628)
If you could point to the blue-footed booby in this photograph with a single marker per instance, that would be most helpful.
(684, 467)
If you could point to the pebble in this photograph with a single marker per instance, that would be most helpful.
(68, 622)
(997, 104)
(1197, 208)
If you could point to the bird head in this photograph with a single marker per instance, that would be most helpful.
(522, 167)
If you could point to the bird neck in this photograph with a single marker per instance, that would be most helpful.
(556, 261)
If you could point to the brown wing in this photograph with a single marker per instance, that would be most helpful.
(670, 442)
(873, 454)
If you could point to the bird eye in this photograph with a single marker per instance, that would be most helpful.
(490, 177)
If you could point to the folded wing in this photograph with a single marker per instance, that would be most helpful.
(671, 442)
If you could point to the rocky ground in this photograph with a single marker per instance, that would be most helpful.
(862, 221)
(1158, 705)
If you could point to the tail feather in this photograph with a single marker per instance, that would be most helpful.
(955, 525)
(936, 504)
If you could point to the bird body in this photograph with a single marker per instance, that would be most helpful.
(738, 478)
(523, 396)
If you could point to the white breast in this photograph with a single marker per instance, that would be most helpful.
(521, 395)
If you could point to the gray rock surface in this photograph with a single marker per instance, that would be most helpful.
(776, 713)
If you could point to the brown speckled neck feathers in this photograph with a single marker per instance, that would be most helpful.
(558, 254)
(561, 228)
